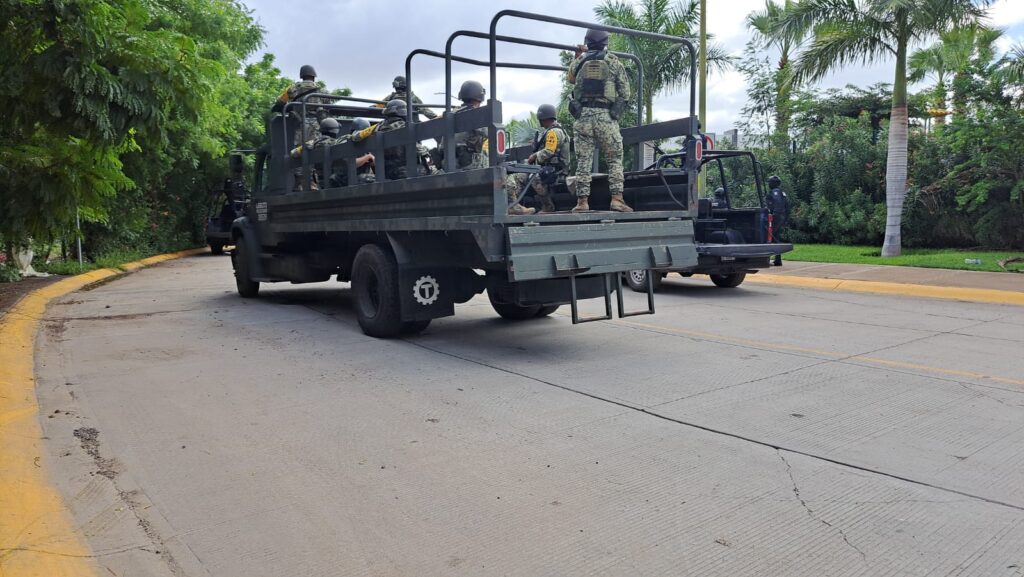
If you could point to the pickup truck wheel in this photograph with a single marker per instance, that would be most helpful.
(375, 292)
(637, 280)
(247, 288)
(415, 327)
(512, 311)
(546, 310)
(216, 248)
(728, 280)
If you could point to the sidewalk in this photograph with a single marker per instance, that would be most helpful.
(902, 274)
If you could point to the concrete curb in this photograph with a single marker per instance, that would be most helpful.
(37, 533)
(993, 296)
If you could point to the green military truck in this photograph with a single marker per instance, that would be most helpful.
(733, 228)
(415, 247)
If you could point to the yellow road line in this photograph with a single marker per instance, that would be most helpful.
(37, 533)
(827, 354)
(1002, 297)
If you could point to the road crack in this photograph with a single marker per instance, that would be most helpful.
(810, 512)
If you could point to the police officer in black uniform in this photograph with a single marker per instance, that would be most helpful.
(778, 206)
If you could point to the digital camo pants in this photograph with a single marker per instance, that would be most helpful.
(595, 127)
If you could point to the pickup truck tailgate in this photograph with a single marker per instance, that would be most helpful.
(552, 251)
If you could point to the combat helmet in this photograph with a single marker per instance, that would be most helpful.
(307, 71)
(359, 124)
(546, 112)
(774, 181)
(330, 127)
(395, 108)
(596, 39)
(472, 90)
(399, 83)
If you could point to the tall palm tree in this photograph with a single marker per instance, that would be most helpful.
(950, 57)
(665, 67)
(762, 23)
(868, 31)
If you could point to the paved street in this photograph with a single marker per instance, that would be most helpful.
(764, 430)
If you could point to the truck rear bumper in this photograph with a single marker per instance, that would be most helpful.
(736, 251)
(554, 251)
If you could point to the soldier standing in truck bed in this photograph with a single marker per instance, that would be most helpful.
(294, 93)
(402, 92)
(600, 92)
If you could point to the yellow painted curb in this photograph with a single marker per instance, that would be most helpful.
(37, 533)
(892, 288)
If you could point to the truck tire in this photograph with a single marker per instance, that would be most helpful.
(247, 288)
(728, 280)
(512, 311)
(375, 292)
(415, 327)
(216, 248)
(637, 280)
(546, 310)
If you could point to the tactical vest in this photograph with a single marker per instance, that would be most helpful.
(561, 157)
(595, 82)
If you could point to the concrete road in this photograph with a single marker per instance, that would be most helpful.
(762, 430)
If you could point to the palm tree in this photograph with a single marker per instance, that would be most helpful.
(950, 57)
(665, 67)
(868, 31)
(762, 23)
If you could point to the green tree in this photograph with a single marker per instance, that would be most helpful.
(666, 68)
(848, 31)
(763, 23)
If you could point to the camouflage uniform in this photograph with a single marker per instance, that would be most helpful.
(313, 144)
(294, 93)
(595, 124)
(402, 95)
(551, 149)
(394, 157)
(470, 147)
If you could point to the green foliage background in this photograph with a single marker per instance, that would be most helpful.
(123, 111)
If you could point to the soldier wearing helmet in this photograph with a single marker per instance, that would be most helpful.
(551, 153)
(470, 147)
(306, 85)
(600, 91)
(394, 157)
(401, 92)
(329, 135)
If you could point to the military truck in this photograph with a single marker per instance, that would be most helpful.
(733, 228)
(413, 248)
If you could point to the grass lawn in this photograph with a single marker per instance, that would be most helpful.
(922, 257)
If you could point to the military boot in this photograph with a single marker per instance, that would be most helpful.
(582, 204)
(520, 210)
(546, 204)
(619, 205)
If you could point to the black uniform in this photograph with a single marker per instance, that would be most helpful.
(778, 204)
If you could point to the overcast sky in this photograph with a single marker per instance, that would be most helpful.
(363, 45)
